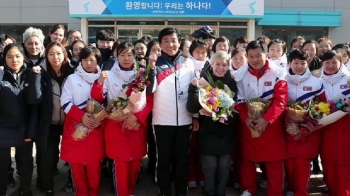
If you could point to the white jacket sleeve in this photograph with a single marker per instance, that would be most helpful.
(67, 95)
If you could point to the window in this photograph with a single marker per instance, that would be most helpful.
(93, 31)
(232, 33)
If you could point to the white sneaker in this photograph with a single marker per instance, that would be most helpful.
(192, 184)
(288, 193)
(263, 184)
(201, 183)
(246, 193)
(236, 185)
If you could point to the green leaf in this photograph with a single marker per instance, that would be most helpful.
(219, 84)
(210, 80)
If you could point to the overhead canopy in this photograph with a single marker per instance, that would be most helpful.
(166, 9)
(300, 18)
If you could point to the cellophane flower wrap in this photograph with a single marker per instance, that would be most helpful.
(132, 98)
(329, 112)
(98, 113)
(215, 98)
(256, 107)
(294, 116)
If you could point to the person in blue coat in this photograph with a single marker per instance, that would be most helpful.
(19, 95)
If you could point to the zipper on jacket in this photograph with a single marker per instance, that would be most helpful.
(176, 94)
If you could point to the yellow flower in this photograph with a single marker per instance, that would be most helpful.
(210, 107)
(219, 103)
(324, 107)
(208, 88)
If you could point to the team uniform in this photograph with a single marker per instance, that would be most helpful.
(84, 156)
(171, 121)
(335, 145)
(302, 88)
(270, 147)
(127, 147)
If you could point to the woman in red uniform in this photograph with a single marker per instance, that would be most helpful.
(335, 145)
(125, 147)
(302, 87)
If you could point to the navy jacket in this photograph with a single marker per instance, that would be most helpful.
(18, 106)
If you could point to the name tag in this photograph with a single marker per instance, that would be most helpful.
(268, 83)
(307, 88)
(344, 86)
(164, 67)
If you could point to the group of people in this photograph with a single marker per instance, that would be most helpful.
(46, 85)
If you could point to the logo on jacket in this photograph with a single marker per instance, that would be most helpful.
(268, 83)
(344, 86)
(307, 88)
(164, 67)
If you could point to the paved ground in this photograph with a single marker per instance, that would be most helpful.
(146, 187)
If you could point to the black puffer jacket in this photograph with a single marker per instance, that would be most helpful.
(214, 138)
(18, 110)
(46, 106)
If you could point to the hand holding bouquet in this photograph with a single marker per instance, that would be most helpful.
(95, 114)
(256, 108)
(215, 99)
(295, 114)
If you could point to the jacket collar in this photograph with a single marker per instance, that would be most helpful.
(296, 79)
(126, 75)
(332, 79)
(259, 73)
(88, 77)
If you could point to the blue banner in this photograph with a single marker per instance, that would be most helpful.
(167, 8)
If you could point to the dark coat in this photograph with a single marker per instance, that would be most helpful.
(46, 107)
(214, 138)
(18, 110)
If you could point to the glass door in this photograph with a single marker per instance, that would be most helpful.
(128, 34)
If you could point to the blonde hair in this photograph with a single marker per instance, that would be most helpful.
(220, 55)
(30, 32)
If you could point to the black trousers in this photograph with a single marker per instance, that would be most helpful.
(24, 163)
(46, 158)
(172, 142)
(216, 169)
(151, 148)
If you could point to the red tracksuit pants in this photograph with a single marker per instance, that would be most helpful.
(337, 178)
(274, 173)
(125, 176)
(196, 172)
(298, 175)
(86, 178)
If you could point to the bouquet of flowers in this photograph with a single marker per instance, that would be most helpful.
(295, 114)
(132, 99)
(98, 114)
(215, 98)
(256, 108)
(329, 112)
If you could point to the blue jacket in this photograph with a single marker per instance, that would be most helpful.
(18, 110)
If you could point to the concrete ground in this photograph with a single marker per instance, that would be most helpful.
(145, 187)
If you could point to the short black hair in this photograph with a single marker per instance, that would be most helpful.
(278, 41)
(240, 39)
(330, 54)
(168, 31)
(198, 43)
(105, 35)
(311, 42)
(147, 38)
(142, 41)
(9, 47)
(125, 46)
(297, 54)
(221, 39)
(256, 44)
(78, 41)
(87, 51)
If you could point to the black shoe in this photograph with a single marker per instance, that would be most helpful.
(10, 180)
(26, 193)
(49, 193)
